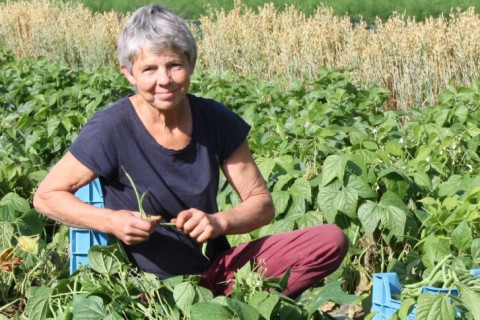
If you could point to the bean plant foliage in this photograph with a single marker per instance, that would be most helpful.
(403, 185)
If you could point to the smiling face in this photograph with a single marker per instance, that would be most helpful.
(162, 78)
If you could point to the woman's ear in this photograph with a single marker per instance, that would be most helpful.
(128, 75)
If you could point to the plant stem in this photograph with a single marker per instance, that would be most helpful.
(10, 304)
(137, 195)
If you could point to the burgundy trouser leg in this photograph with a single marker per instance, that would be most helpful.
(310, 253)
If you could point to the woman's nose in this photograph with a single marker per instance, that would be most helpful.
(163, 76)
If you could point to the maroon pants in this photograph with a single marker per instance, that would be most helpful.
(310, 253)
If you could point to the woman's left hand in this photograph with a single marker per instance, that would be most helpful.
(198, 224)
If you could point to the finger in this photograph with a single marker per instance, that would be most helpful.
(204, 236)
(182, 218)
(194, 222)
(131, 240)
(202, 232)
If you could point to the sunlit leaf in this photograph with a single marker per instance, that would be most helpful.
(16, 202)
(280, 201)
(434, 307)
(326, 201)
(38, 303)
(209, 311)
(243, 310)
(28, 244)
(301, 188)
(333, 167)
(461, 236)
(184, 295)
(470, 298)
(88, 308)
(6, 235)
(395, 220)
(346, 201)
(105, 259)
(264, 302)
(370, 214)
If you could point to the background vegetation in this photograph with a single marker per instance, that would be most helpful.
(369, 10)
(414, 60)
(403, 185)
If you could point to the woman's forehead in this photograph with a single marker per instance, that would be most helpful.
(145, 53)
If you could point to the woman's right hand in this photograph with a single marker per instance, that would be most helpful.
(130, 227)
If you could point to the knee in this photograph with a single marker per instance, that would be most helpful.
(337, 242)
(338, 238)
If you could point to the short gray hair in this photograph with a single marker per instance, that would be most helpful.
(155, 27)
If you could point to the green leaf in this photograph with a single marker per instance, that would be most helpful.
(346, 201)
(28, 244)
(282, 180)
(326, 201)
(265, 165)
(283, 225)
(184, 295)
(393, 148)
(370, 214)
(7, 214)
(31, 139)
(52, 125)
(370, 145)
(297, 206)
(264, 302)
(406, 308)
(209, 311)
(16, 202)
(470, 299)
(434, 307)
(475, 250)
(30, 223)
(301, 188)
(434, 249)
(38, 175)
(280, 201)
(363, 189)
(6, 235)
(67, 124)
(423, 180)
(285, 161)
(331, 291)
(309, 219)
(462, 113)
(38, 303)
(243, 310)
(105, 259)
(87, 308)
(395, 220)
(461, 236)
(112, 316)
(203, 294)
(333, 167)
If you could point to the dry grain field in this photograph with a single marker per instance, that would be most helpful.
(415, 60)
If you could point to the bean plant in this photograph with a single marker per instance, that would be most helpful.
(403, 185)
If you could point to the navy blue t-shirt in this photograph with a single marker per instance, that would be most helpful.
(174, 180)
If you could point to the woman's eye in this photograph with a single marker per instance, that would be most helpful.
(176, 66)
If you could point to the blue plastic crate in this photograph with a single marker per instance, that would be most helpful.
(81, 240)
(386, 285)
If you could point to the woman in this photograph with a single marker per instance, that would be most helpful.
(173, 144)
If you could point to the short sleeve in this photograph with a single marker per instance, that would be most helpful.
(95, 146)
(229, 129)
